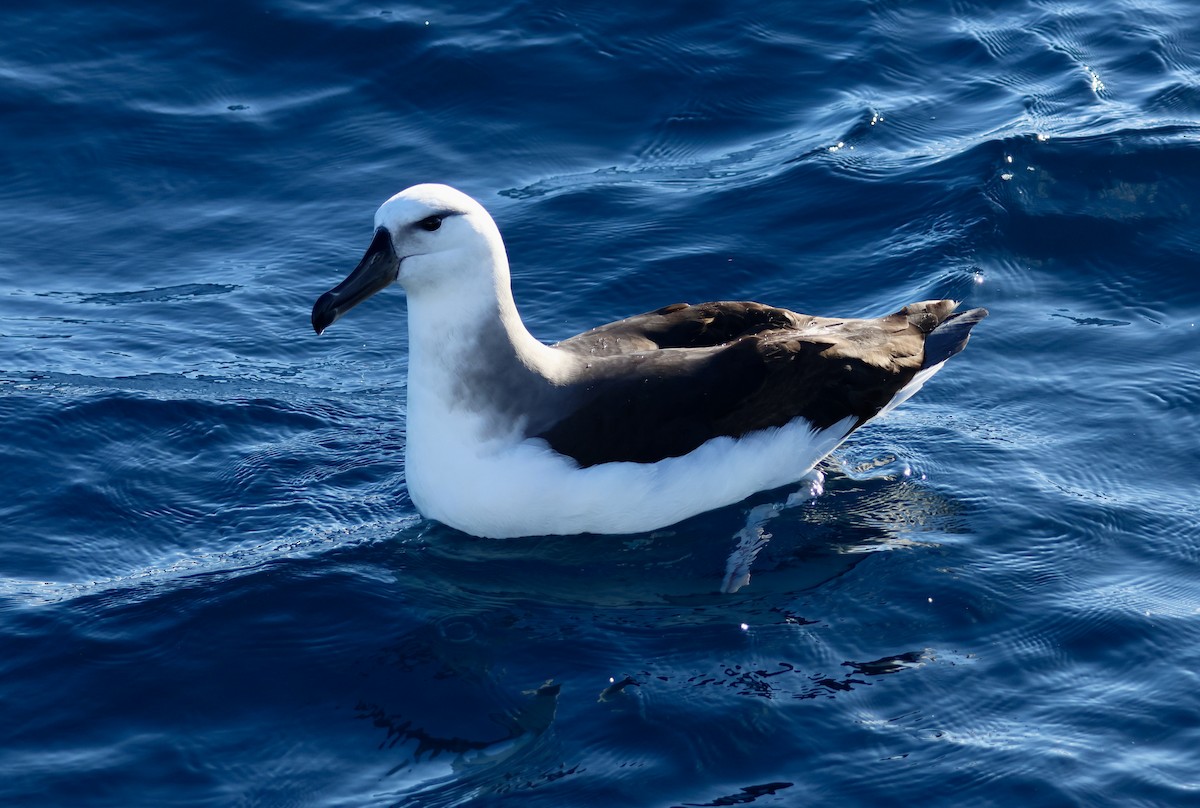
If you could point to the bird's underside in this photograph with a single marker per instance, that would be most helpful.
(661, 384)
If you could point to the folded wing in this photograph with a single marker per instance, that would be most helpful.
(661, 384)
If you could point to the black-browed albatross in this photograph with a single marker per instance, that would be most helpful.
(631, 426)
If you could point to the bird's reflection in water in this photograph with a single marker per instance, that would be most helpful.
(880, 510)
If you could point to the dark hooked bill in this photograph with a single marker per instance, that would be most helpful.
(377, 270)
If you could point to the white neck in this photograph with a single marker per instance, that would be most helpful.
(451, 330)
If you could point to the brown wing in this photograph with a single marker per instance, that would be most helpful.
(663, 383)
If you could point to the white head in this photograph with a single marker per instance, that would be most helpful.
(432, 240)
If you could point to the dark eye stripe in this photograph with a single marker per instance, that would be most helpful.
(430, 223)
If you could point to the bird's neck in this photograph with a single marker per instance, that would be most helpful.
(469, 353)
(451, 329)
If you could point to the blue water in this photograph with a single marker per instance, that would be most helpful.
(215, 591)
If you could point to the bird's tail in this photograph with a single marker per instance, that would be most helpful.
(950, 336)
(944, 340)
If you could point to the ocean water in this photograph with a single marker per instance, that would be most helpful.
(215, 591)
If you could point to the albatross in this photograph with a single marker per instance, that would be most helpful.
(628, 427)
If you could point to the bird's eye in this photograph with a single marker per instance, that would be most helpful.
(430, 223)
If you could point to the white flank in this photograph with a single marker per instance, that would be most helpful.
(503, 489)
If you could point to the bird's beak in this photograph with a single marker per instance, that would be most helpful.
(377, 270)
